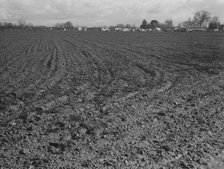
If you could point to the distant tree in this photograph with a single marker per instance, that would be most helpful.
(215, 19)
(167, 26)
(8, 25)
(120, 26)
(112, 28)
(154, 23)
(68, 25)
(201, 18)
(149, 26)
(180, 25)
(127, 26)
(221, 27)
(168, 23)
(189, 23)
(215, 23)
(144, 24)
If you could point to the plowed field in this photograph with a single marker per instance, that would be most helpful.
(111, 100)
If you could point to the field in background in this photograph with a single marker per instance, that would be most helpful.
(111, 100)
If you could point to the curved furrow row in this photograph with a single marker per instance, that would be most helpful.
(156, 62)
(110, 72)
(82, 57)
(74, 64)
(53, 77)
(100, 61)
(138, 63)
(108, 58)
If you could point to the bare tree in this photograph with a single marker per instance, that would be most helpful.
(189, 23)
(169, 23)
(215, 19)
(144, 24)
(215, 23)
(201, 18)
(167, 26)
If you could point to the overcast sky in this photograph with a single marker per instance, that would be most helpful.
(104, 12)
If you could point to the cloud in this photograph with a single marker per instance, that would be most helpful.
(107, 12)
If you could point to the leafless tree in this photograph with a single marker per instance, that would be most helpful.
(201, 18)
(169, 23)
(189, 23)
(215, 23)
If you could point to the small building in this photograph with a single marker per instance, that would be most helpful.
(157, 29)
(80, 28)
(117, 29)
(133, 30)
(143, 30)
(126, 30)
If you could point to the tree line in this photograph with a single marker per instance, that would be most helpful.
(22, 25)
(201, 19)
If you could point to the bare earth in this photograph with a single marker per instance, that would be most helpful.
(73, 100)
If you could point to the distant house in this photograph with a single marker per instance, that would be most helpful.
(126, 30)
(117, 29)
(157, 29)
(80, 28)
(216, 30)
(143, 30)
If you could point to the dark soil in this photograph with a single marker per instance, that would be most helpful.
(111, 100)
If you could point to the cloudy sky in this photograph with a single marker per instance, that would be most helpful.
(104, 12)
